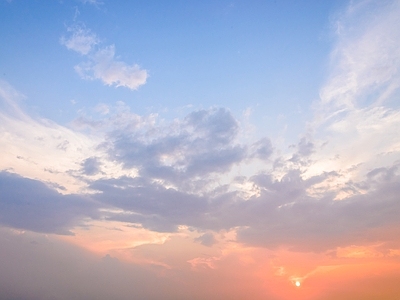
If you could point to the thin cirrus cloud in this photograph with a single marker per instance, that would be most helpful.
(357, 118)
(365, 61)
(102, 63)
(92, 2)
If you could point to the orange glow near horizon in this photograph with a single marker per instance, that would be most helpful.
(103, 237)
(279, 273)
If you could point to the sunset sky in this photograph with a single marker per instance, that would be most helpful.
(199, 149)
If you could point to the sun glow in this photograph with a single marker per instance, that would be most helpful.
(297, 283)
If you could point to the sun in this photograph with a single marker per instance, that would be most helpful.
(297, 283)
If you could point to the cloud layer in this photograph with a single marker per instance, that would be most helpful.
(31, 205)
(198, 201)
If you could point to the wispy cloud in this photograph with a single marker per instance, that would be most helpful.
(356, 118)
(366, 59)
(92, 2)
(102, 63)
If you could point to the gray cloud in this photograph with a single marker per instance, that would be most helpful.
(154, 206)
(304, 149)
(178, 164)
(32, 205)
(284, 213)
(91, 166)
(263, 149)
(203, 143)
(206, 239)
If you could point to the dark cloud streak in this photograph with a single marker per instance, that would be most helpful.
(31, 205)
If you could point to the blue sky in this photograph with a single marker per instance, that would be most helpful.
(267, 56)
(234, 146)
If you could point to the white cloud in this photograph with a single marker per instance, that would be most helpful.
(39, 148)
(366, 59)
(82, 40)
(104, 66)
(357, 119)
(102, 63)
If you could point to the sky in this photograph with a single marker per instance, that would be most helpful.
(199, 149)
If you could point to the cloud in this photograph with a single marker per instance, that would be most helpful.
(201, 144)
(163, 175)
(366, 59)
(102, 63)
(304, 149)
(262, 149)
(356, 119)
(31, 205)
(91, 166)
(180, 170)
(40, 148)
(166, 174)
(206, 239)
(334, 191)
(285, 214)
(150, 204)
(82, 40)
(104, 66)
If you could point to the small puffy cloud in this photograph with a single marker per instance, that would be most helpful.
(104, 66)
(82, 40)
(102, 63)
